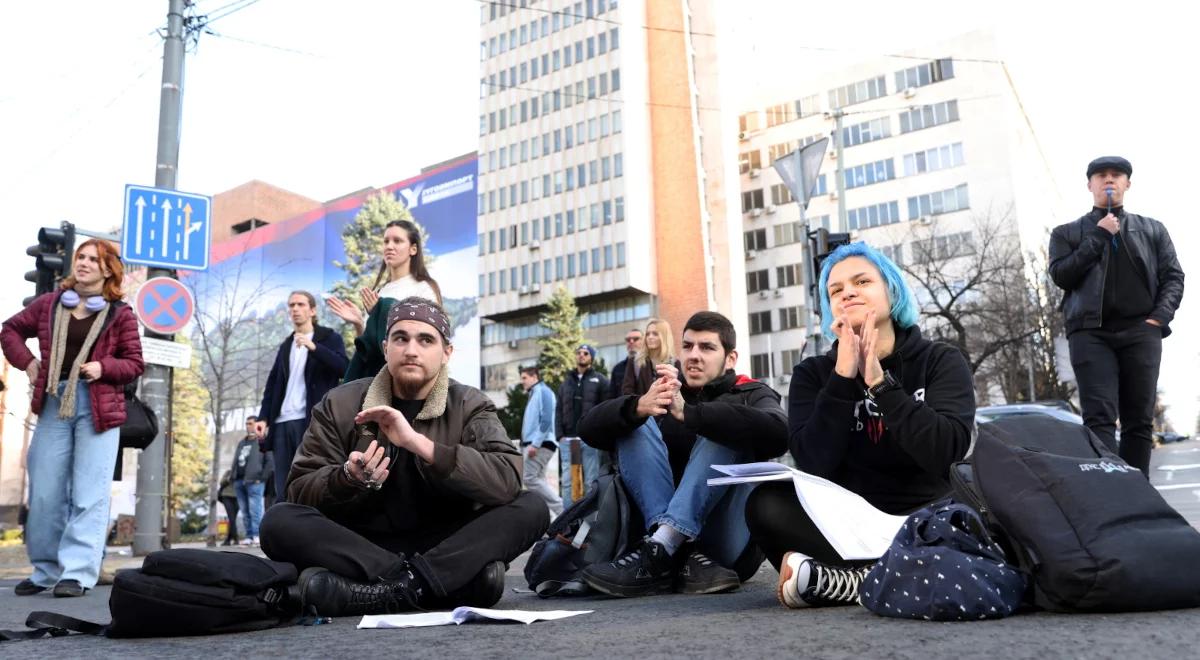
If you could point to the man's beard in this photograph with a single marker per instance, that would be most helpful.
(409, 384)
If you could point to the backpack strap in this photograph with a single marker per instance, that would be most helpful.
(51, 624)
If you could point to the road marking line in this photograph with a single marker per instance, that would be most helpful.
(1189, 466)
(1177, 486)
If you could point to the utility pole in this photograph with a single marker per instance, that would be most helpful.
(840, 173)
(151, 477)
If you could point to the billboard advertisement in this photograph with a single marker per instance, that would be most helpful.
(241, 300)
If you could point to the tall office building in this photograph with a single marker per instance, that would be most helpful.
(603, 162)
(934, 143)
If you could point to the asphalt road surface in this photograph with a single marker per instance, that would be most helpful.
(748, 623)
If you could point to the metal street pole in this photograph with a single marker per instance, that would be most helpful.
(841, 177)
(151, 477)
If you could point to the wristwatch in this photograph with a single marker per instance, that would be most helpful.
(888, 384)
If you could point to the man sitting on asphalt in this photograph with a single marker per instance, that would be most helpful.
(665, 441)
(406, 492)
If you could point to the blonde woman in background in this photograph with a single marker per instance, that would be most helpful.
(658, 347)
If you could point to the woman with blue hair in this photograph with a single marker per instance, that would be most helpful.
(883, 414)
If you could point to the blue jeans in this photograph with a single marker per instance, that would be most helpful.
(713, 516)
(250, 501)
(592, 460)
(70, 479)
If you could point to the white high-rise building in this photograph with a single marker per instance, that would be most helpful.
(602, 169)
(935, 137)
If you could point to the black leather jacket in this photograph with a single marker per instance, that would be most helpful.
(1079, 259)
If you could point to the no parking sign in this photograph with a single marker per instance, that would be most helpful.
(164, 305)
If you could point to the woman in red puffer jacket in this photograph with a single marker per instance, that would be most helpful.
(89, 350)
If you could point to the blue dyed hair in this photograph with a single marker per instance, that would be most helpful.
(904, 306)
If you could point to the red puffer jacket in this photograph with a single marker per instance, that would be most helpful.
(118, 349)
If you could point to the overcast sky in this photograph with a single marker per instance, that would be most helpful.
(324, 98)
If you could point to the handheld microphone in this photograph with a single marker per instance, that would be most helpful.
(1109, 192)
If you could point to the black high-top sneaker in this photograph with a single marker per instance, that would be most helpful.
(334, 595)
(805, 582)
(645, 570)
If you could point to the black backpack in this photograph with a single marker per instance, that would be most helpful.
(200, 592)
(1090, 530)
(601, 526)
(184, 592)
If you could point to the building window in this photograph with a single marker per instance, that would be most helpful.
(894, 252)
(787, 233)
(760, 322)
(807, 106)
(780, 114)
(760, 365)
(789, 275)
(752, 199)
(942, 201)
(925, 74)
(868, 173)
(789, 318)
(928, 115)
(858, 92)
(780, 194)
(608, 257)
(583, 262)
(868, 131)
(757, 280)
(756, 239)
(875, 215)
(749, 160)
(788, 359)
(943, 247)
(932, 160)
(621, 255)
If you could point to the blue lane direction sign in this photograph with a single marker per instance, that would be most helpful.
(166, 228)
(164, 305)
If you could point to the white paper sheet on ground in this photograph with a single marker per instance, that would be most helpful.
(852, 526)
(462, 615)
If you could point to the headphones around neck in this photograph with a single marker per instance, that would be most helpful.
(70, 300)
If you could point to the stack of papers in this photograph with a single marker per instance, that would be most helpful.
(462, 615)
(852, 526)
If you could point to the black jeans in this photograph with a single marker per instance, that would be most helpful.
(446, 556)
(779, 524)
(231, 511)
(1117, 374)
(285, 440)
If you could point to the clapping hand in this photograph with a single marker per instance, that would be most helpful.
(657, 400)
(369, 299)
(347, 311)
(868, 360)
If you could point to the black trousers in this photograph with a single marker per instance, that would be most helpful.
(446, 556)
(778, 524)
(285, 440)
(1117, 374)
(231, 511)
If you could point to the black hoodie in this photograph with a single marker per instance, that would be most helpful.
(896, 452)
(732, 410)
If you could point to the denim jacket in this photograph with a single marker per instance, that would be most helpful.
(537, 426)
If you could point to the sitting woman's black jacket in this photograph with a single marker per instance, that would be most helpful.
(896, 451)
(735, 411)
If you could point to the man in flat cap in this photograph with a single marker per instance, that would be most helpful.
(1122, 284)
(406, 491)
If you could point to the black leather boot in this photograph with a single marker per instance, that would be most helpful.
(333, 595)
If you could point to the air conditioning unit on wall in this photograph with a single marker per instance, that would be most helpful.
(754, 213)
(771, 209)
(513, 343)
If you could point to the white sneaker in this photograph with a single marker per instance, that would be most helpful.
(805, 582)
(247, 542)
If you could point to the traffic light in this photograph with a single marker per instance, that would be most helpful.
(52, 256)
(823, 244)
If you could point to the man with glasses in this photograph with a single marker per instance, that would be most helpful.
(633, 344)
(581, 390)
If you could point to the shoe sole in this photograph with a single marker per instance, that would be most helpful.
(732, 584)
(625, 591)
(29, 592)
(786, 572)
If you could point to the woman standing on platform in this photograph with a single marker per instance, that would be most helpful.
(401, 275)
